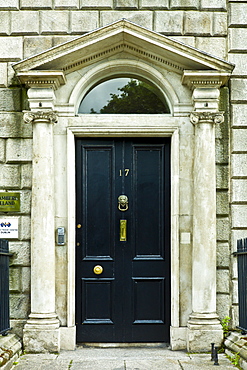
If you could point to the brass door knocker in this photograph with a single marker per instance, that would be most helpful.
(123, 203)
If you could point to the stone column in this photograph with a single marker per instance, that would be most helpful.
(41, 332)
(203, 325)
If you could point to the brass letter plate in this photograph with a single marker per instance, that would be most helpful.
(123, 230)
(9, 202)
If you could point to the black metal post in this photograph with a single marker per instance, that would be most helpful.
(4, 287)
(212, 351)
(216, 356)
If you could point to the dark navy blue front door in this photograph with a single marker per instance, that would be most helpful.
(123, 244)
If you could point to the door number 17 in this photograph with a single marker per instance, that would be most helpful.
(125, 172)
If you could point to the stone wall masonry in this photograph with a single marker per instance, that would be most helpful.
(37, 4)
(143, 18)
(154, 4)
(18, 150)
(2, 150)
(3, 74)
(11, 49)
(63, 4)
(130, 4)
(24, 22)
(238, 14)
(9, 4)
(68, 20)
(216, 5)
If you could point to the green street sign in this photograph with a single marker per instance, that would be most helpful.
(9, 202)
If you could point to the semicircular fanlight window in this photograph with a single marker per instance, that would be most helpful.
(124, 96)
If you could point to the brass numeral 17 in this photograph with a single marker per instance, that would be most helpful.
(125, 172)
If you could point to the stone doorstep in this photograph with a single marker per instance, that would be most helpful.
(236, 344)
(10, 349)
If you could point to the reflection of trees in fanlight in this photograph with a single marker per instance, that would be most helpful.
(136, 97)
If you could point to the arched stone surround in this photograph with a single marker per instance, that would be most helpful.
(190, 84)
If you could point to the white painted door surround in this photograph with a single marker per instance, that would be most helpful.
(190, 80)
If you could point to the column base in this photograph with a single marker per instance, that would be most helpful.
(203, 329)
(178, 338)
(41, 333)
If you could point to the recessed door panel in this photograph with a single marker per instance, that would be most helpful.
(123, 240)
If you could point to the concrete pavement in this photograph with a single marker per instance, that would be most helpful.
(132, 358)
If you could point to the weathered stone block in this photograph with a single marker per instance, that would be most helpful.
(222, 229)
(200, 23)
(15, 279)
(222, 176)
(19, 306)
(220, 24)
(222, 281)
(223, 305)
(223, 255)
(144, 18)
(239, 191)
(131, 4)
(3, 74)
(4, 23)
(239, 115)
(57, 40)
(9, 4)
(212, 45)
(188, 40)
(239, 90)
(2, 150)
(82, 22)
(239, 140)
(10, 99)
(25, 279)
(25, 22)
(234, 292)
(17, 326)
(94, 4)
(21, 253)
(239, 213)
(12, 125)
(238, 14)
(10, 176)
(26, 202)
(169, 22)
(240, 61)
(184, 4)
(25, 228)
(239, 164)
(222, 203)
(213, 5)
(37, 4)
(221, 151)
(18, 150)
(38, 341)
(66, 4)
(11, 49)
(154, 4)
(56, 21)
(26, 176)
(34, 45)
(237, 39)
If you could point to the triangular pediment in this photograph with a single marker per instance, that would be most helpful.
(122, 37)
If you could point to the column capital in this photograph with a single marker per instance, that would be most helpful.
(41, 116)
(206, 117)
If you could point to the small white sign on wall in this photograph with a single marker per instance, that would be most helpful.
(9, 228)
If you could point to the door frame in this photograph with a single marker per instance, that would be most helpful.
(114, 126)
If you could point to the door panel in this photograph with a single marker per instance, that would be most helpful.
(130, 300)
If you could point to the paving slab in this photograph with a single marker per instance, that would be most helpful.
(155, 358)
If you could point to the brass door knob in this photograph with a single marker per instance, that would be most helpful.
(98, 269)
